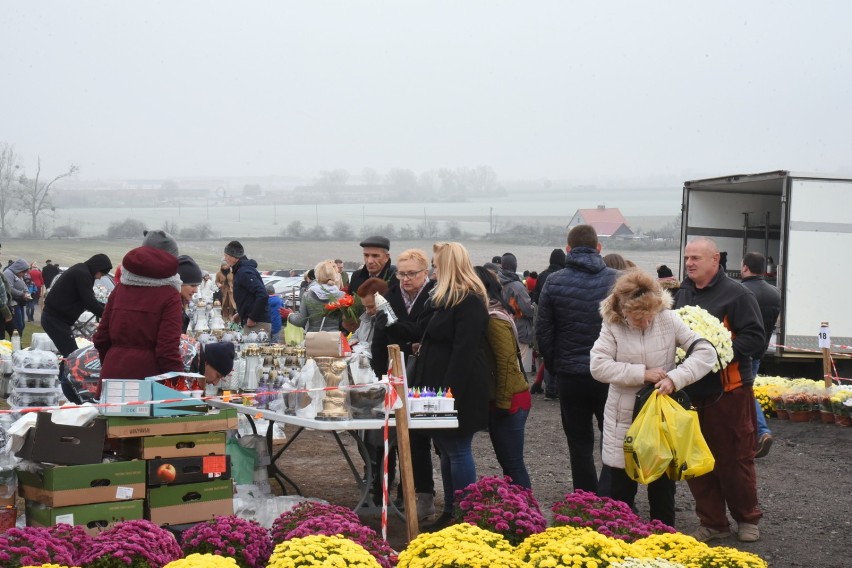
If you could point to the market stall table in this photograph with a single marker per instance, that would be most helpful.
(353, 427)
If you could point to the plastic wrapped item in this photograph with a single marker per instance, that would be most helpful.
(24, 380)
(42, 342)
(367, 401)
(30, 360)
(252, 503)
(27, 398)
(310, 377)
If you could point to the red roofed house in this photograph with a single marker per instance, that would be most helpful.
(608, 222)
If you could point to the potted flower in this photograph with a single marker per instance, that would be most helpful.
(798, 404)
(244, 540)
(826, 412)
(841, 403)
(33, 546)
(461, 544)
(288, 521)
(496, 504)
(607, 516)
(572, 546)
(203, 561)
(134, 544)
(319, 551)
(343, 526)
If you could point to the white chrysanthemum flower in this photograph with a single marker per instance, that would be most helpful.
(710, 328)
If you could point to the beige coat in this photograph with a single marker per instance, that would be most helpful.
(620, 356)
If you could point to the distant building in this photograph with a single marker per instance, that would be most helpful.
(608, 222)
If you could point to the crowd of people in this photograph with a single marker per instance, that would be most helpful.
(588, 330)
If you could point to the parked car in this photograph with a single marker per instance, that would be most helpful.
(285, 286)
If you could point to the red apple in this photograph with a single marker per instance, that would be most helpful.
(166, 473)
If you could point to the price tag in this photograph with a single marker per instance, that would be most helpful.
(824, 337)
(214, 464)
(226, 396)
(65, 519)
(124, 493)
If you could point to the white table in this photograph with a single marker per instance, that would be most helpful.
(353, 427)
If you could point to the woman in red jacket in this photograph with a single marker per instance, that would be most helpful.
(139, 333)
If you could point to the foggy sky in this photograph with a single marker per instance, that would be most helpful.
(586, 91)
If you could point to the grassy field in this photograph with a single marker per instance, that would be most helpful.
(279, 254)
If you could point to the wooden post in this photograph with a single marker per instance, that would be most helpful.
(404, 447)
(826, 355)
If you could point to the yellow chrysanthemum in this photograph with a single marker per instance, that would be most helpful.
(574, 547)
(459, 545)
(321, 550)
(724, 557)
(668, 546)
(203, 561)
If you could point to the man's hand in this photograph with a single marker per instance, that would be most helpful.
(250, 322)
(235, 318)
(654, 375)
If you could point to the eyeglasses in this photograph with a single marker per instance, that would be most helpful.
(407, 275)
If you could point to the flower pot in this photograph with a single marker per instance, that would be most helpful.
(799, 415)
(782, 414)
(826, 417)
(843, 420)
(8, 518)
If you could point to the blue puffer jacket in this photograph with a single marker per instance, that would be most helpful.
(568, 320)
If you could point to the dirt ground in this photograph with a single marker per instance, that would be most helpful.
(804, 485)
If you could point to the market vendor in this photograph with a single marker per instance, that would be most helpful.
(215, 361)
(190, 279)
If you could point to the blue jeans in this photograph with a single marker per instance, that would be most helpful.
(507, 437)
(762, 427)
(582, 400)
(458, 469)
(18, 318)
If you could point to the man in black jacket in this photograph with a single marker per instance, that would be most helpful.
(769, 301)
(70, 295)
(48, 273)
(567, 326)
(557, 263)
(249, 290)
(725, 401)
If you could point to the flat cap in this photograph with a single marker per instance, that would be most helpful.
(376, 241)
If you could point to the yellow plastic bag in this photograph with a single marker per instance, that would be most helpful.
(691, 456)
(293, 334)
(647, 454)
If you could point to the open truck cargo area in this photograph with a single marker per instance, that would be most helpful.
(801, 224)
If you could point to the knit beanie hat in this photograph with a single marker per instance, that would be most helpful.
(188, 271)
(664, 271)
(160, 240)
(220, 356)
(235, 249)
(509, 262)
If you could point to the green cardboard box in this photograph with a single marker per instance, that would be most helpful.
(62, 486)
(190, 502)
(95, 518)
(128, 427)
(174, 446)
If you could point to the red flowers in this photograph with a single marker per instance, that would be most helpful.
(345, 305)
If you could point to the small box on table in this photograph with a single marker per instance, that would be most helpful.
(123, 391)
(63, 486)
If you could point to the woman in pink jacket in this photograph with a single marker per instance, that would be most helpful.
(139, 333)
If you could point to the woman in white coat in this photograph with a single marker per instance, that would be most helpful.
(636, 346)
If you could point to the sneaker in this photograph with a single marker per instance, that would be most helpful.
(747, 532)
(703, 534)
(764, 443)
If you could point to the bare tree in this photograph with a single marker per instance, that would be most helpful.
(369, 176)
(9, 167)
(34, 195)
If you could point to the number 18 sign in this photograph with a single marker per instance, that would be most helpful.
(824, 336)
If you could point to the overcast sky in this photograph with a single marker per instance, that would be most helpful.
(584, 91)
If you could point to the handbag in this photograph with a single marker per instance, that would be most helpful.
(324, 344)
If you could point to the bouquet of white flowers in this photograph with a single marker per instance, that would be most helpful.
(710, 328)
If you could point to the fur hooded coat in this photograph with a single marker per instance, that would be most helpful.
(621, 355)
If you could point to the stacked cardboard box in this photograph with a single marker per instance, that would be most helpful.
(170, 470)
(188, 472)
(65, 479)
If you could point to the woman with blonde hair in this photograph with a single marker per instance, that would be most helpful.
(637, 346)
(453, 356)
(312, 314)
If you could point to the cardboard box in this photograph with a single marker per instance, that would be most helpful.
(132, 390)
(174, 471)
(63, 445)
(95, 518)
(62, 486)
(175, 446)
(127, 427)
(190, 503)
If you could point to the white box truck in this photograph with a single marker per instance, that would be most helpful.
(803, 223)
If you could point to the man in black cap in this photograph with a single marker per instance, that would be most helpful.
(249, 292)
(71, 295)
(377, 264)
(215, 361)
